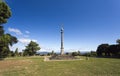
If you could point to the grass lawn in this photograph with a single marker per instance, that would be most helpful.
(35, 66)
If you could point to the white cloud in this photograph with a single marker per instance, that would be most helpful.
(17, 31)
(26, 41)
(19, 45)
(26, 35)
(27, 32)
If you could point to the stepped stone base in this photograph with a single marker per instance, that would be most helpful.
(62, 57)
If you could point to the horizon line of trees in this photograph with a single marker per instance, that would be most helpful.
(106, 50)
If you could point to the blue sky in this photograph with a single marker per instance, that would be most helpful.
(87, 23)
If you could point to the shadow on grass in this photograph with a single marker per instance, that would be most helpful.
(1, 59)
(108, 57)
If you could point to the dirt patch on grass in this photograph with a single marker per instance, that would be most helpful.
(8, 64)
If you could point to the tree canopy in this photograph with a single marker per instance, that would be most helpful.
(5, 12)
(6, 40)
(31, 48)
(109, 50)
(118, 41)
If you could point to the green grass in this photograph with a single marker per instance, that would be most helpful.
(35, 66)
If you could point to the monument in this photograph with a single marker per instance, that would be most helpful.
(62, 39)
(62, 56)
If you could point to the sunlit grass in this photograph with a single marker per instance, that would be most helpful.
(35, 66)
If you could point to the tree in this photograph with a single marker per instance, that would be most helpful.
(48, 54)
(67, 53)
(13, 40)
(52, 53)
(31, 48)
(103, 48)
(20, 54)
(74, 53)
(79, 53)
(6, 40)
(93, 53)
(1, 31)
(5, 12)
(115, 50)
(16, 52)
(118, 41)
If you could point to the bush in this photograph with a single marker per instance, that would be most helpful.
(74, 53)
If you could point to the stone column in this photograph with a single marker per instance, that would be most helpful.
(62, 39)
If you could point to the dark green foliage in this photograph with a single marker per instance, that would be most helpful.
(16, 52)
(5, 12)
(52, 53)
(11, 54)
(114, 50)
(1, 31)
(20, 53)
(31, 49)
(48, 54)
(105, 50)
(4, 52)
(93, 54)
(118, 41)
(87, 54)
(67, 53)
(12, 39)
(25, 52)
(74, 53)
(79, 53)
(6, 40)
